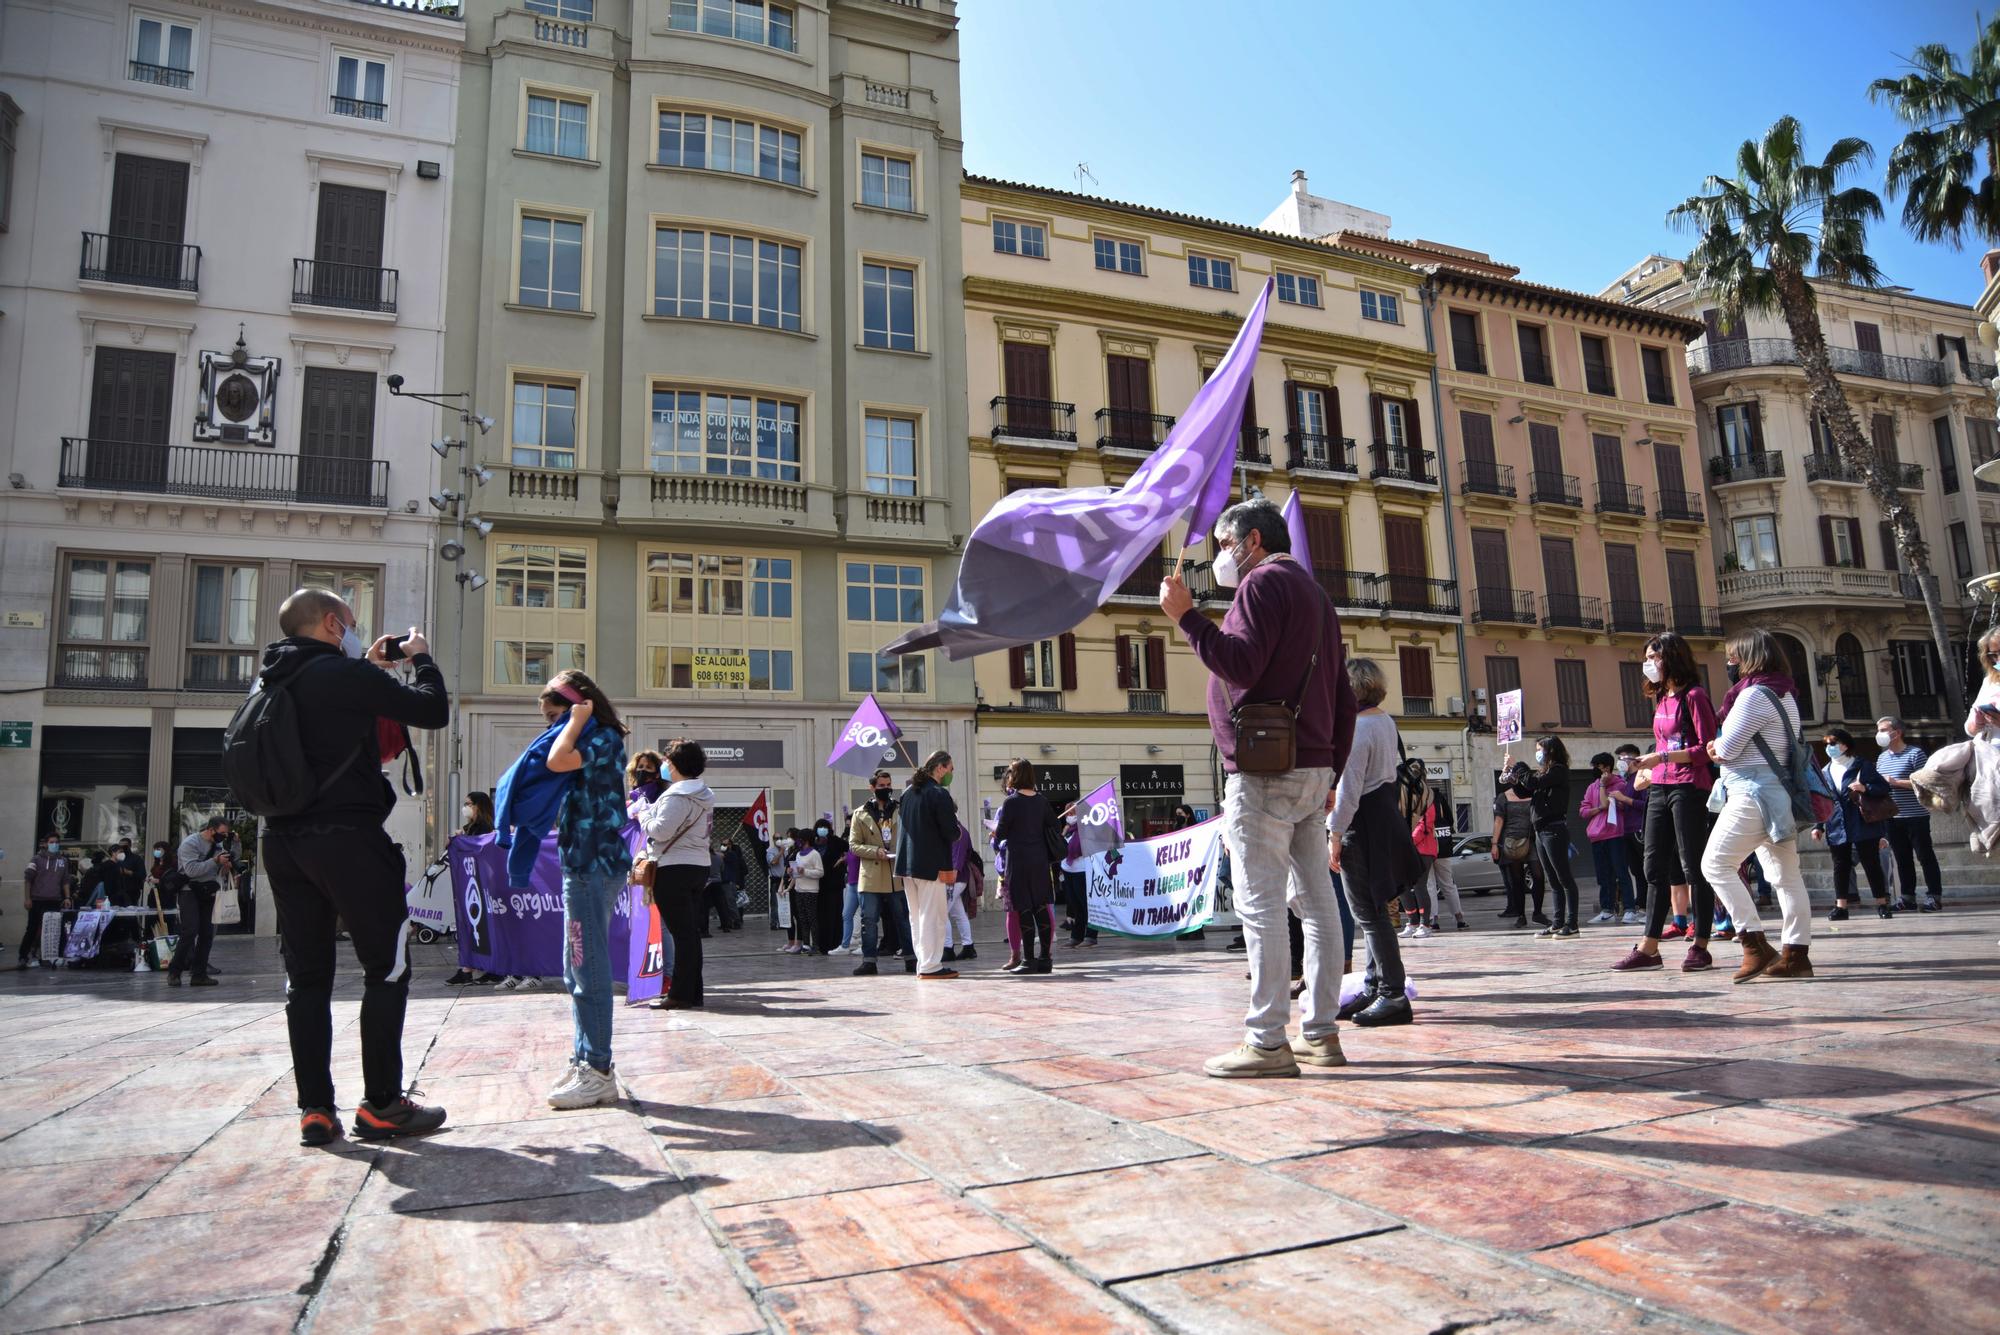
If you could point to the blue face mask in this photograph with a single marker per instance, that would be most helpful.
(1834, 750)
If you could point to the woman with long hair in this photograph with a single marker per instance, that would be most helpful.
(1760, 728)
(1850, 836)
(477, 814)
(1369, 845)
(678, 826)
(642, 778)
(1023, 825)
(1513, 850)
(595, 868)
(1684, 723)
(1984, 716)
(1549, 787)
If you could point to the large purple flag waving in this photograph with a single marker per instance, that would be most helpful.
(866, 743)
(1043, 560)
(1295, 524)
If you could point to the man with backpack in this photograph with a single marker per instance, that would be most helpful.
(304, 753)
(204, 865)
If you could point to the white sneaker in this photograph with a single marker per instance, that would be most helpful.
(1421, 932)
(1409, 930)
(1631, 919)
(568, 1077)
(1603, 916)
(590, 1088)
(510, 982)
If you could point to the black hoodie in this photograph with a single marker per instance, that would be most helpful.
(339, 698)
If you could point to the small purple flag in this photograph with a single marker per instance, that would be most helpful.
(1295, 524)
(1100, 827)
(867, 743)
(1044, 559)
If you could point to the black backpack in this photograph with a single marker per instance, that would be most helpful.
(263, 756)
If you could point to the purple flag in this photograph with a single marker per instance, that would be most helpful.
(1044, 559)
(867, 743)
(1295, 524)
(1100, 828)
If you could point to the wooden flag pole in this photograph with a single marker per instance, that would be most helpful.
(1180, 558)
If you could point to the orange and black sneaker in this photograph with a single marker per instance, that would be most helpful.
(404, 1117)
(319, 1126)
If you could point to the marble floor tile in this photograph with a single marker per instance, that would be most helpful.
(1262, 1132)
(1152, 1098)
(774, 1149)
(28, 1249)
(1013, 1142)
(92, 1186)
(258, 1316)
(852, 1232)
(918, 1089)
(706, 1085)
(1063, 1072)
(598, 1149)
(258, 1160)
(1010, 1293)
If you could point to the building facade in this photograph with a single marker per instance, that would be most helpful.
(1801, 547)
(226, 225)
(1088, 324)
(709, 293)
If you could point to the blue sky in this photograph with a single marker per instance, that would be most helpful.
(1552, 136)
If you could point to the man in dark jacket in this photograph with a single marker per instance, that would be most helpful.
(926, 831)
(334, 859)
(204, 860)
(1278, 643)
(51, 880)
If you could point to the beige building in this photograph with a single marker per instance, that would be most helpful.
(1088, 324)
(709, 292)
(1801, 548)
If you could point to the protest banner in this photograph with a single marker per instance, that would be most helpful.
(867, 743)
(1156, 887)
(1507, 717)
(1100, 828)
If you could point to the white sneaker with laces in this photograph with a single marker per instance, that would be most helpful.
(1631, 918)
(1421, 932)
(1604, 915)
(568, 1077)
(590, 1089)
(1408, 930)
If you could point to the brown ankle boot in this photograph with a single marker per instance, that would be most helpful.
(1792, 964)
(1757, 956)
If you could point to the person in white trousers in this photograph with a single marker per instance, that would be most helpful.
(1760, 726)
(925, 833)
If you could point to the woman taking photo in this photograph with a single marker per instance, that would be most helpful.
(1676, 800)
(595, 868)
(1550, 789)
(1849, 834)
(1753, 808)
(1024, 825)
(677, 828)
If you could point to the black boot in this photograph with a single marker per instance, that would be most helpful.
(950, 955)
(968, 953)
(1385, 1010)
(866, 969)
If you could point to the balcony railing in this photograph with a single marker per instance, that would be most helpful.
(1321, 454)
(1555, 489)
(1831, 468)
(542, 484)
(1042, 702)
(1658, 391)
(557, 33)
(1016, 418)
(102, 670)
(166, 76)
(1572, 611)
(1146, 702)
(1253, 448)
(1414, 593)
(1476, 477)
(1680, 505)
(1513, 607)
(347, 287)
(1402, 464)
(1619, 498)
(356, 106)
(1130, 429)
(1909, 477)
(1924, 704)
(1692, 621)
(1818, 584)
(220, 671)
(1349, 588)
(1468, 357)
(1636, 618)
(128, 259)
(1735, 354)
(1754, 467)
(1144, 581)
(222, 474)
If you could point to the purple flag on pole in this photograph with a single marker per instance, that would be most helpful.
(1100, 828)
(1042, 560)
(867, 743)
(1295, 524)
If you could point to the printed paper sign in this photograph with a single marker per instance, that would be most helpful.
(1507, 717)
(723, 671)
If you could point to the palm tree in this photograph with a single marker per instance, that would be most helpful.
(1947, 168)
(1781, 217)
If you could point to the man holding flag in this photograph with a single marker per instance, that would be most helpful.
(1278, 644)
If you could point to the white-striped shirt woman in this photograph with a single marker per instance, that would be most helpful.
(1754, 811)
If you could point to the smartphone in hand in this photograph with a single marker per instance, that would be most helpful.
(394, 651)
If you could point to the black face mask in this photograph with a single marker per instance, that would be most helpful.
(647, 775)
(884, 796)
(1734, 670)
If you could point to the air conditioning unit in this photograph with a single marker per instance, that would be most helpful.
(1456, 704)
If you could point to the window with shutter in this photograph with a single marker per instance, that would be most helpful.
(1632, 695)
(1403, 545)
(1882, 429)
(1493, 582)
(347, 248)
(1572, 693)
(1019, 659)
(1535, 369)
(1961, 551)
(1466, 352)
(1066, 651)
(1415, 663)
(1621, 568)
(1559, 570)
(1659, 382)
(1892, 557)
(1545, 447)
(1947, 454)
(1597, 377)
(1156, 663)
(1683, 587)
(1123, 648)
(336, 436)
(1476, 430)
(1502, 674)
(1325, 537)
(1867, 337)
(1609, 452)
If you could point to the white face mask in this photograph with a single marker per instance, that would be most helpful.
(1881, 739)
(1539, 758)
(1651, 667)
(350, 643)
(1225, 571)
(1623, 766)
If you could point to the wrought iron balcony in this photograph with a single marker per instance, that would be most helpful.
(1513, 607)
(102, 669)
(1253, 448)
(1736, 354)
(140, 263)
(1320, 453)
(166, 76)
(347, 287)
(1924, 704)
(356, 106)
(222, 473)
(1696, 622)
(1042, 702)
(1357, 589)
(1130, 429)
(1555, 489)
(1476, 477)
(1403, 464)
(1620, 498)
(1659, 391)
(1468, 357)
(220, 670)
(1146, 702)
(1413, 593)
(1724, 469)
(1909, 477)
(1831, 468)
(1635, 618)
(1680, 505)
(1016, 418)
(1572, 611)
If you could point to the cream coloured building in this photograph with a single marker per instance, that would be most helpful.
(1089, 324)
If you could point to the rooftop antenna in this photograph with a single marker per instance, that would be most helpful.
(1082, 174)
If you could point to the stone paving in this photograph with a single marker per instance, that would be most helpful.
(1553, 1147)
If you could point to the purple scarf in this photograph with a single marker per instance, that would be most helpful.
(1777, 681)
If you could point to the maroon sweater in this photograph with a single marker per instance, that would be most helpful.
(1258, 654)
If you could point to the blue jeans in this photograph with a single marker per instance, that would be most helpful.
(588, 900)
(897, 910)
(850, 906)
(1614, 874)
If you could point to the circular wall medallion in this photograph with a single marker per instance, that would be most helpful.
(236, 397)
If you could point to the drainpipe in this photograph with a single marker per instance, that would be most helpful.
(1429, 291)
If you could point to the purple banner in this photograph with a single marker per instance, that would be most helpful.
(866, 744)
(507, 931)
(1295, 524)
(1100, 826)
(1044, 559)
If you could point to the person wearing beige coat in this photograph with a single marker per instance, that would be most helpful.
(871, 837)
